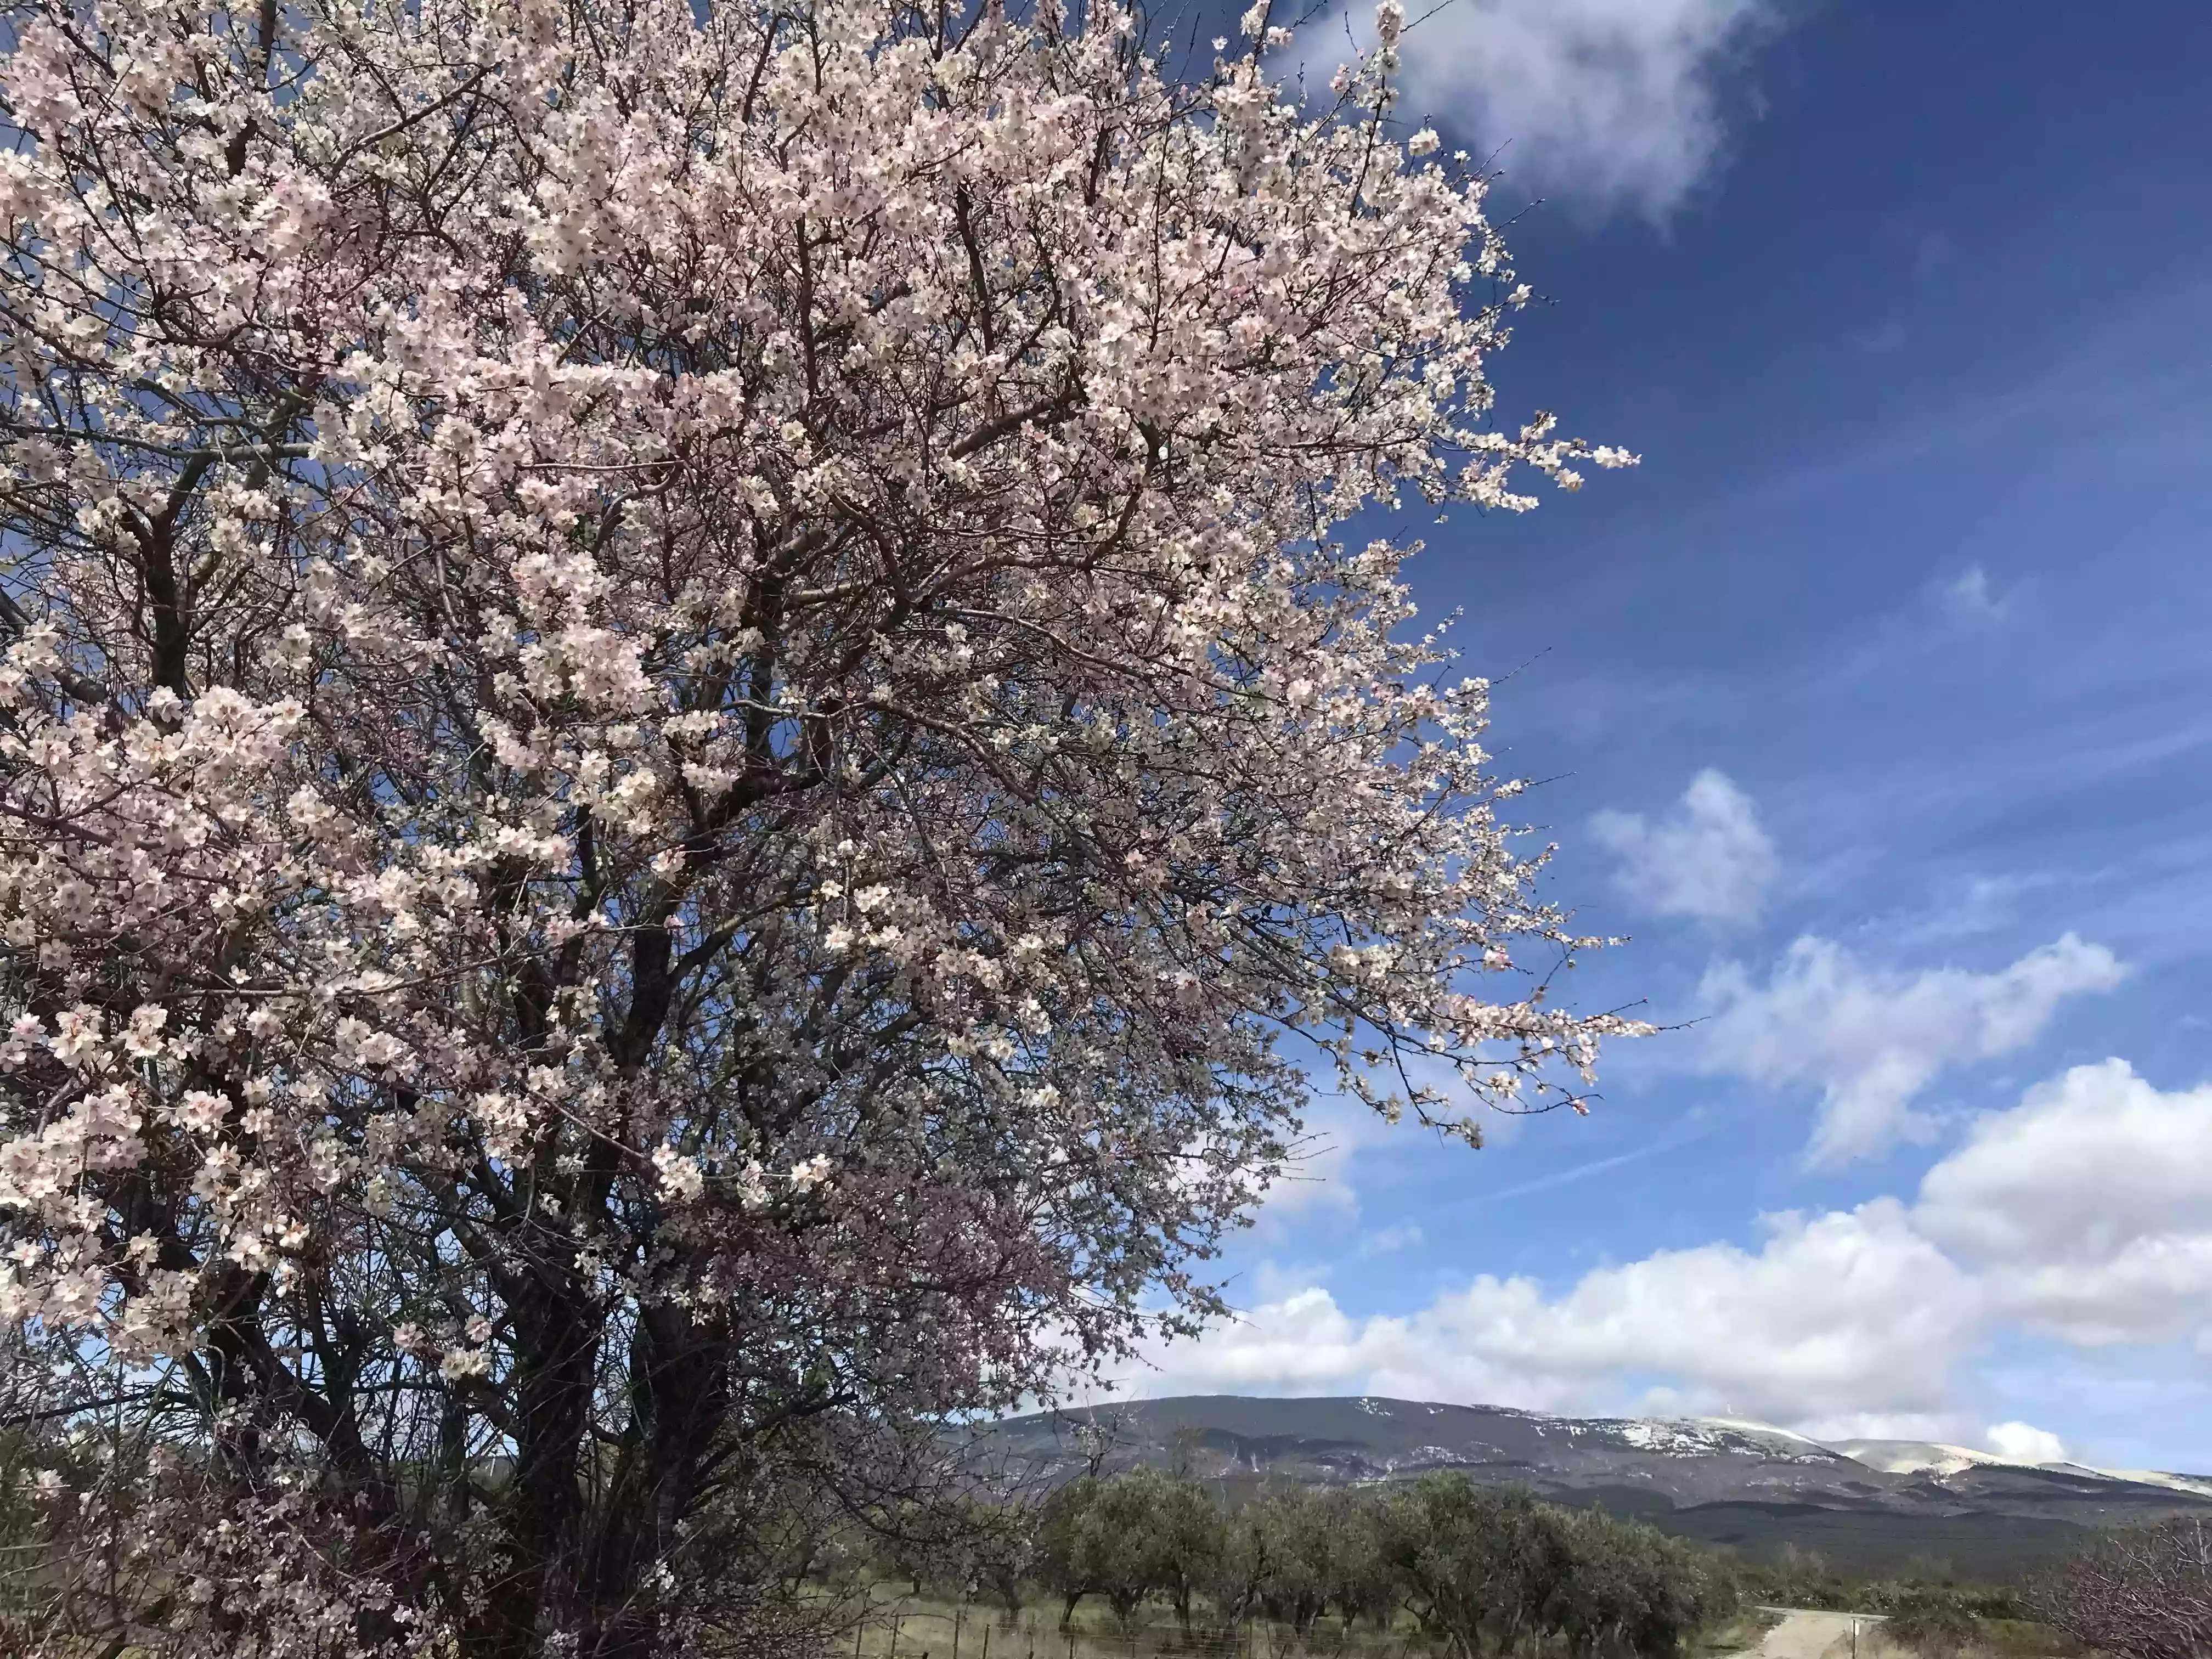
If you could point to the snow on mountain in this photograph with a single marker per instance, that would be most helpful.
(1878, 1504)
(1933, 1457)
(1919, 1456)
(2199, 1484)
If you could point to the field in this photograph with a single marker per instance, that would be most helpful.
(921, 1629)
(927, 1629)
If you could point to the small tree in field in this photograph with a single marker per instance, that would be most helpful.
(1062, 1561)
(1359, 1581)
(1455, 1547)
(1188, 1525)
(689, 766)
(1299, 1526)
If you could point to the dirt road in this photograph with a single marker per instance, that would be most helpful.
(1803, 1635)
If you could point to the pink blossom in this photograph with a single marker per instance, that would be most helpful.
(689, 684)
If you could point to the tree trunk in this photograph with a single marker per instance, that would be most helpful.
(555, 1353)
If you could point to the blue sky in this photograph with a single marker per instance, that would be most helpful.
(1874, 705)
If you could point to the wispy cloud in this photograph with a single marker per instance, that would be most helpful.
(1568, 1177)
(1399, 1235)
(1971, 596)
(1872, 1039)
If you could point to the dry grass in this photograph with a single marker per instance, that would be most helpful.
(1997, 1638)
(1738, 1635)
(928, 1630)
(2021, 1638)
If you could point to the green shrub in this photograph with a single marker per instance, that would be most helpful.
(1933, 1624)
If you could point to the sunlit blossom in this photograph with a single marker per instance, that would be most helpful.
(686, 688)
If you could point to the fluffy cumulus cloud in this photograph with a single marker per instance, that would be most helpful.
(2088, 1207)
(1709, 858)
(1873, 1039)
(1852, 1310)
(1838, 1314)
(1609, 104)
(2023, 1442)
(2080, 1213)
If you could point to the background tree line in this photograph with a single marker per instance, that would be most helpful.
(1477, 1568)
(1484, 1570)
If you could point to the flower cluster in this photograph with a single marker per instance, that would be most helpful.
(687, 742)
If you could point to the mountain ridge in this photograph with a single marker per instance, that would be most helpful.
(1751, 1485)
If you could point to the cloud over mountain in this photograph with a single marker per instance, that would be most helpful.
(2081, 1213)
(1832, 1316)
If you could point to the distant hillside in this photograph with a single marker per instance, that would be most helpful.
(1746, 1485)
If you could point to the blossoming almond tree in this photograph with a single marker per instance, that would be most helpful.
(690, 769)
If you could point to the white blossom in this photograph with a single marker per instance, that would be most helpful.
(691, 684)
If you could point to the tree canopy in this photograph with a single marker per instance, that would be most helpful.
(694, 764)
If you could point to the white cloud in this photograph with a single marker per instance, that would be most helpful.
(1708, 857)
(1970, 597)
(1846, 1311)
(1836, 1315)
(2023, 1442)
(1948, 1426)
(1608, 103)
(1399, 1235)
(2083, 1212)
(1873, 1039)
(2087, 1209)
(1319, 1184)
